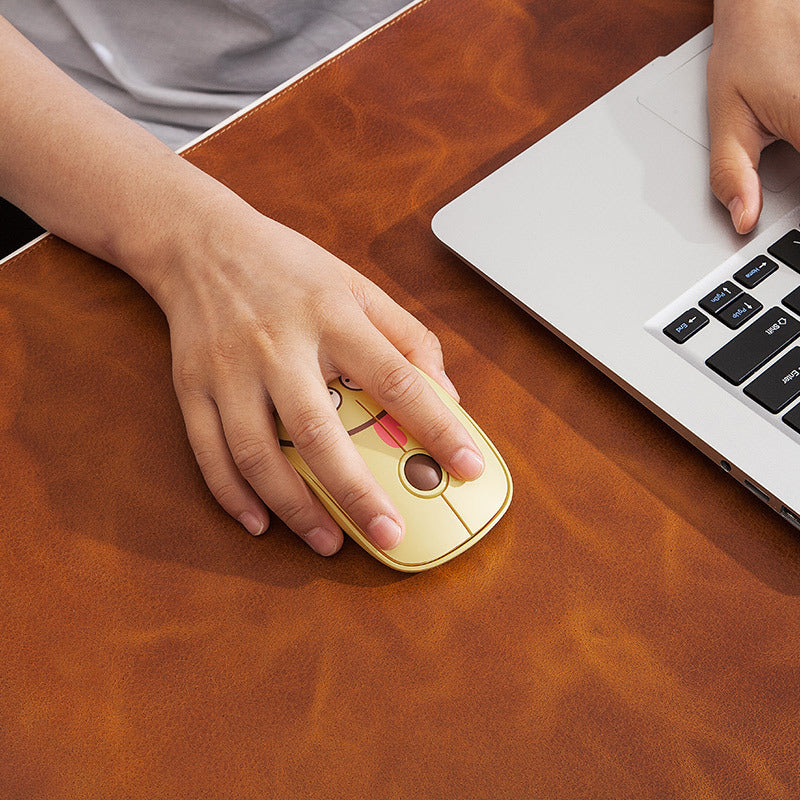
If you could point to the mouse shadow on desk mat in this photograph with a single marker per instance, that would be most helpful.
(537, 369)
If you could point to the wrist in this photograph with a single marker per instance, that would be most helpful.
(180, 234)
(730, 12)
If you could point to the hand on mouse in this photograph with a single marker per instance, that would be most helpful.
(753, 98)
(260, 317)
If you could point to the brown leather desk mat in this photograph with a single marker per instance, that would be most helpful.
(631, 629)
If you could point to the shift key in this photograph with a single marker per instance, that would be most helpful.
(755, 345)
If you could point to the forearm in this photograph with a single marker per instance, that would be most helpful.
(260, 317)
(90, 175)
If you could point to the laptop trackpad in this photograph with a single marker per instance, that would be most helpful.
(680, 100)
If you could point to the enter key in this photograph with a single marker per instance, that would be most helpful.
(777, 386)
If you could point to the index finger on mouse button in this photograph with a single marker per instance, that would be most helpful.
(400, 389)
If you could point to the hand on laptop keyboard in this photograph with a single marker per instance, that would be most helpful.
(752, 97)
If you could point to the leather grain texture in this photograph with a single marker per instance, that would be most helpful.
(631, 629)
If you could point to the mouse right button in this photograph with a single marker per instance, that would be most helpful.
(481, 502)
(432, 531)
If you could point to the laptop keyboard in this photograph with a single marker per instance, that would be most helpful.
(742, 329)
(753, 347)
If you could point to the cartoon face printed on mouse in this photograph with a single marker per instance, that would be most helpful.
(357, 412)
(349, 383)
(389, 429)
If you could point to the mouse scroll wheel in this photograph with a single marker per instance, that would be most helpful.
(422, 472)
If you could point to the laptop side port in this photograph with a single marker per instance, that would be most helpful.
(756, 491)
(789, 515)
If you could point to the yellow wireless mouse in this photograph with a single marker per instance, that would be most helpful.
(443, 515)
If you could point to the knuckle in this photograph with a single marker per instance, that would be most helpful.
(722, 169)
(361, 294)
(312, 432)
(439, 429)
(324, 305)
(399, 385)
(251, 455)
(294, 511)
(269, 340)
(430, 341)
(207, 459)
(354, 494)
(225, 351)
(186, 376)
(228, 494)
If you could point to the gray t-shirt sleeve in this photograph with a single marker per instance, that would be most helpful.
(178, 67)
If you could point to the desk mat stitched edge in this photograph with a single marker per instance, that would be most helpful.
(327, 63)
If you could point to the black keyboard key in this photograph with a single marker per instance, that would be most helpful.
(755, 345)
(755, 271)
(792, 301)
(792, 419)
(787, 249)
(779, 384)
(686, 325)
(715, 301)
(735, 314)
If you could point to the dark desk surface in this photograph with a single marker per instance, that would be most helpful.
(631, 629)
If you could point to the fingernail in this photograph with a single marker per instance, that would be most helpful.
(467, 464)
(448, 384)
(252, 523)
(384, 532)
(322, 541)
(737, 211)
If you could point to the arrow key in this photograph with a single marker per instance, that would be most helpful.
(686, 325)
(755, 271)
(715, 301)
(735, 314)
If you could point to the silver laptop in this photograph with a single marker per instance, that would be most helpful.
(607, 232)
